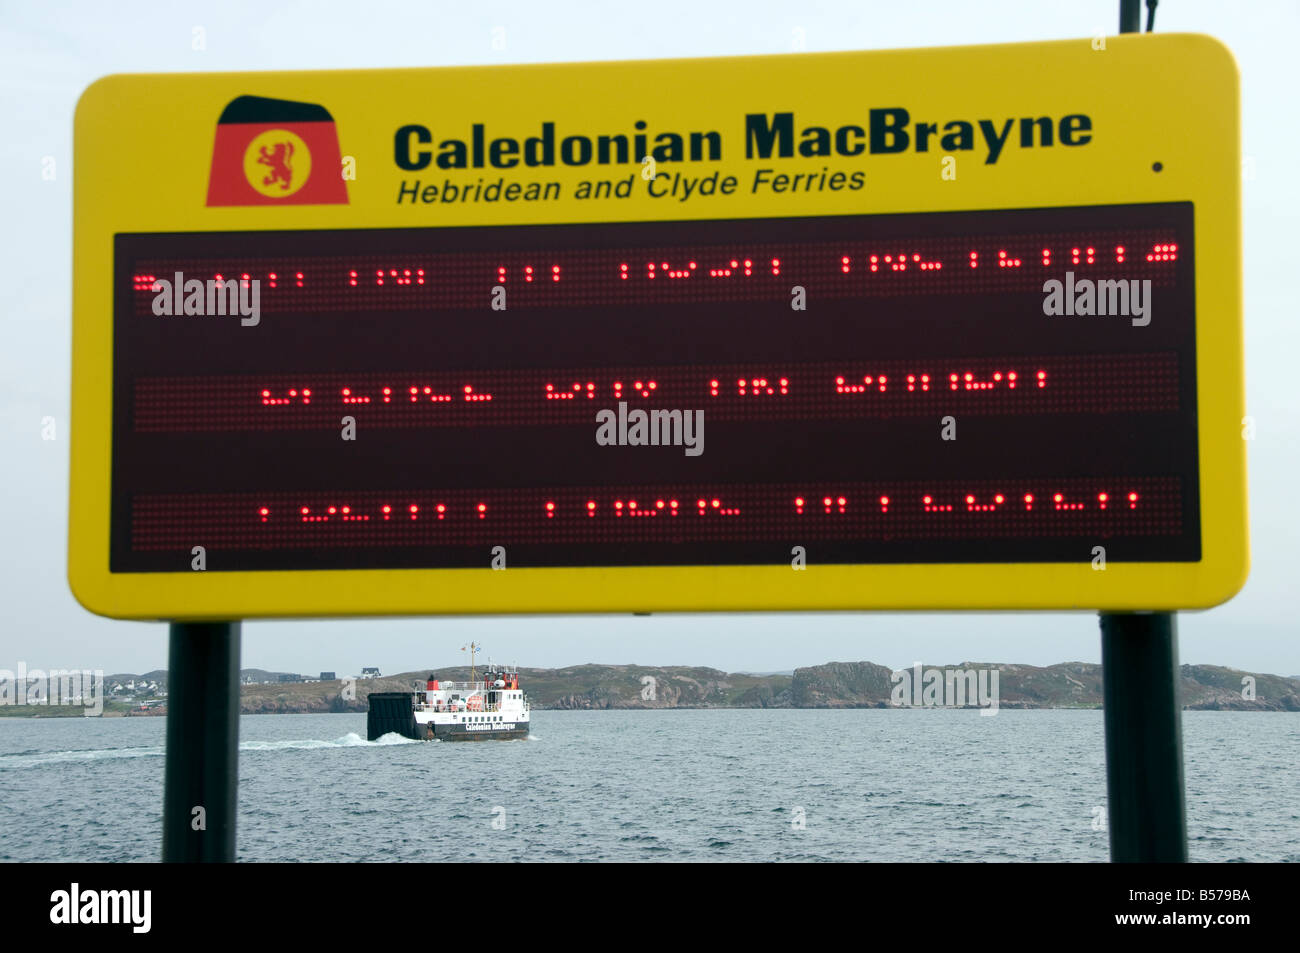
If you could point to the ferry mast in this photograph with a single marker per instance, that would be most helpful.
(472, 648)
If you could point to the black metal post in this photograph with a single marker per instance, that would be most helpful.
(202, 770)
(1146, 804)
(1130, 16)
(1146, 812)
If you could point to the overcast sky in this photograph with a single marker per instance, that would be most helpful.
(50, 52)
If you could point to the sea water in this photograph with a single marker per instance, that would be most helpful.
(742, 785)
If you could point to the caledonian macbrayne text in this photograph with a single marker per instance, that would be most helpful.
(888, 131)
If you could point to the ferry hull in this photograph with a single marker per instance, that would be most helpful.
(513, 732)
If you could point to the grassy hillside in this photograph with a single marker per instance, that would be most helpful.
(832, 685)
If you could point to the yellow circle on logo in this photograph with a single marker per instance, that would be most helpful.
(277, 163)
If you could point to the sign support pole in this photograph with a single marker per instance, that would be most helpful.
(1146, 809)
(1146, 799)
(202, 767)
(1130, 16)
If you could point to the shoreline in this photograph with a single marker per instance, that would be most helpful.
(36, 716)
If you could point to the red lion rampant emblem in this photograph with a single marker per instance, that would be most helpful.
(277, 160)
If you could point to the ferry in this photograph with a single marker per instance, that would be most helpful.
(490, 708)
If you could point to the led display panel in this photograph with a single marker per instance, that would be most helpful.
(735, 424)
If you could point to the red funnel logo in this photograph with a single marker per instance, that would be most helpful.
(276, 152)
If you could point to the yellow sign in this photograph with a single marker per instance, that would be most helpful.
(929, 329)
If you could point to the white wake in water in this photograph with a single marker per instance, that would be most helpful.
(350, 740)
(28, 759)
